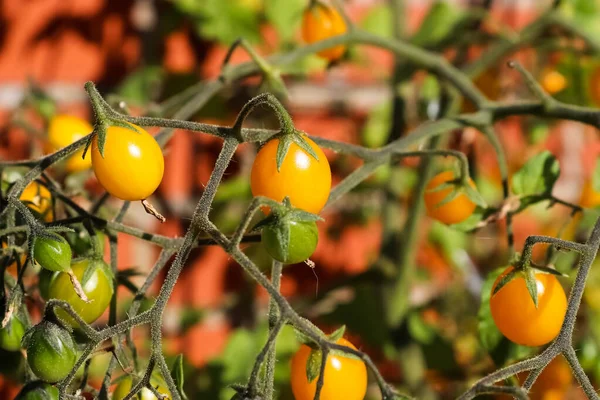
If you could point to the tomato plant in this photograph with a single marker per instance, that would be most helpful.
(52, 253)
(125, 385)
(96, 280)
(64, 130)
(302, 238)
(51, 352)
(345, 378)
(133, 164)
(518, 318)
(39, 200)
(306, 181)
(459, 208)
(321, 22)
(11, 334)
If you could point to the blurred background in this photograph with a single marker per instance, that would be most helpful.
(143, 52)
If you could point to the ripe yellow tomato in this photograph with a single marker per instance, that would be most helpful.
(516, 316)
(553, 382)
(323, 22)
(589, 197)
(345, 378)
(553, 81)
(39, 199)
(133, 163)
(64, 130)
(453, 212)
(302, 178)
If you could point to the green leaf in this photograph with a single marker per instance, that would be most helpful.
(537, 176)
(283, 146)
(489, 335)
(313, 365)
(438, 23)
(419, 330)
(376, 130)
(337, 334)
(285, 16)
(531, 284)
(234, 188)
(596, 176)
(378, 21)
(142, 85)
(178, 377)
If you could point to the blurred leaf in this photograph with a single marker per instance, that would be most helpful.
(142, 85)
(224, 21)
(438, 23)
(177, 374)
(419, 329)
(489, 335)
(537, 176)
(376, 129)
(378, 21)
(234, 188)
(285, 16)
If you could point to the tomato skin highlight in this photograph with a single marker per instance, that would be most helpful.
(39, 200)
(133, 163)
(38, 390)
(64, 130)
(50, 363)
(53, 255)
(125, 385)
(553, 81)
(302, 242)
(12, 334)
(345, 378)
(457, 210)
(98, 289)
(516, 316)
(322, 22)
(303, 179)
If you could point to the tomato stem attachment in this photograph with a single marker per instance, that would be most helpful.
(153, 211)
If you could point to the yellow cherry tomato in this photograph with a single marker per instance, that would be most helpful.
(452, 212)
(553, 382)
(302, 178)
(64, 130)
(323, 22)
(553, 81)
(589, 197)
(517, 317)
(133, 163)
(125, 385)
(345, 378)
(39, 199)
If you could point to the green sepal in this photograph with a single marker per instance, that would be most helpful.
(451, 196)
(505, 279)
(302, 216)
(178, 376)
(474, 196)
(300, 140)
(531, 284)
(285, 141)
(271, 219)
(548, 270)
(337, 334)
(302, 338)
(123, 124)
(313, 365)
(341, 353)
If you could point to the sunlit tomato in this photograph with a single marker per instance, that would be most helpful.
(52, 254)
(589, 197)
(517, 317)
(11, 335)
(302, 241)
(64, 130)
(304, 180)
(345, 378)
(51, 352)
(322, 22)
(124, 387)
(98, 288)
(133, 163)
(553, 81)
(38, 390)
(452, 212)
(39, 199)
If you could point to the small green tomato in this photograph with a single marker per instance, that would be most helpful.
(53, 254)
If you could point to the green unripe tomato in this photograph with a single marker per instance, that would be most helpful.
(125, 385)
(12, 334)
(303, 238)
(51, 352)
(98, 287)
(38, 390)
(81, 242)
(51, 254)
